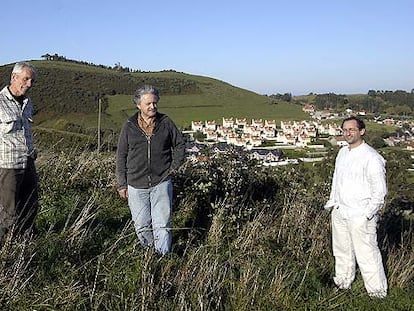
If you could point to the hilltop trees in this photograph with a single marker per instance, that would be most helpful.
(60, 58)
(285, 97)
(390, 102)
(330, 101)
(400, 102)
(54, 57)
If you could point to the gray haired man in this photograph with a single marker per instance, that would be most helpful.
(18, 178)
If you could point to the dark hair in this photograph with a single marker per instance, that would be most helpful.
(360, 122)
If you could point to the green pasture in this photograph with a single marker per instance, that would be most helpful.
(186, 108)
(210, 99)
(200, 98)
(372, 126)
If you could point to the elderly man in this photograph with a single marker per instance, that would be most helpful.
(18, 178)
(150, 149)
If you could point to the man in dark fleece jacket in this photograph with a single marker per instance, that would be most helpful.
(150, 149)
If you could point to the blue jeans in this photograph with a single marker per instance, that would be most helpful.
(151, 212)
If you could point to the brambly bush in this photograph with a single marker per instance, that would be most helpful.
(244, 238)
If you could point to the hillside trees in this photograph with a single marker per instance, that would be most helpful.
(399, 200)
(400, 102)
(391, 102)
(285, 97)
(400, 189)
(403, 110)
(375, 138)
(330, 101)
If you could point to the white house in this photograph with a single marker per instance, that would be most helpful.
(257, 123)
(197, 126)
(240, 122)
(211, 135)
(228, 122)
(268, 132)
(210, 125)
(270, 123)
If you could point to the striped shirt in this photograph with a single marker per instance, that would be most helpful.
(16, 141)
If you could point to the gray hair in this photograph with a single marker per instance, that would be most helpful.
(20, 66)
(146, 89)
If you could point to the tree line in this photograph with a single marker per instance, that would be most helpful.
(60, 58)
(377, 102)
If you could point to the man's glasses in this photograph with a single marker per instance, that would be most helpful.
(351, 130)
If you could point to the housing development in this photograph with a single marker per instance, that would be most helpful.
(264, 140)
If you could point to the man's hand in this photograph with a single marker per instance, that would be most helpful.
(330, 205)
(123, 193)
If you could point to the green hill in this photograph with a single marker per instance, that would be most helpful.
(66, 96)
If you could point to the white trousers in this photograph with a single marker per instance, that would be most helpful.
(356, 239)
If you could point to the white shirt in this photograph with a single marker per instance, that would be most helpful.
(359, 183)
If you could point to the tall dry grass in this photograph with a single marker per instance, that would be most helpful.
(262, 243)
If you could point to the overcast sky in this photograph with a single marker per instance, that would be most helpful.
(267, 46)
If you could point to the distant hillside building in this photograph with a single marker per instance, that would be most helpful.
(270, 123)
(211, 135)
(210, 125)
(241, 123)
(308, 108)
(338, 141)
(257, 123)
(228, 122)
(265, 155)
(197, 126)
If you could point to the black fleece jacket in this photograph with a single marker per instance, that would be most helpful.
(144, 161)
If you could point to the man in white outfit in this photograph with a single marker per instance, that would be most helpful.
(357, 194)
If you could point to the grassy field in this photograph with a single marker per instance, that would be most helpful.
(186, 108)
(243, 239)
(67, 93)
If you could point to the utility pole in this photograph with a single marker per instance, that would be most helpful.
(99, 124)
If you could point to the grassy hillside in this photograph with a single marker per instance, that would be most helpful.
(227, 102)
(244, 238)
(68, 93)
